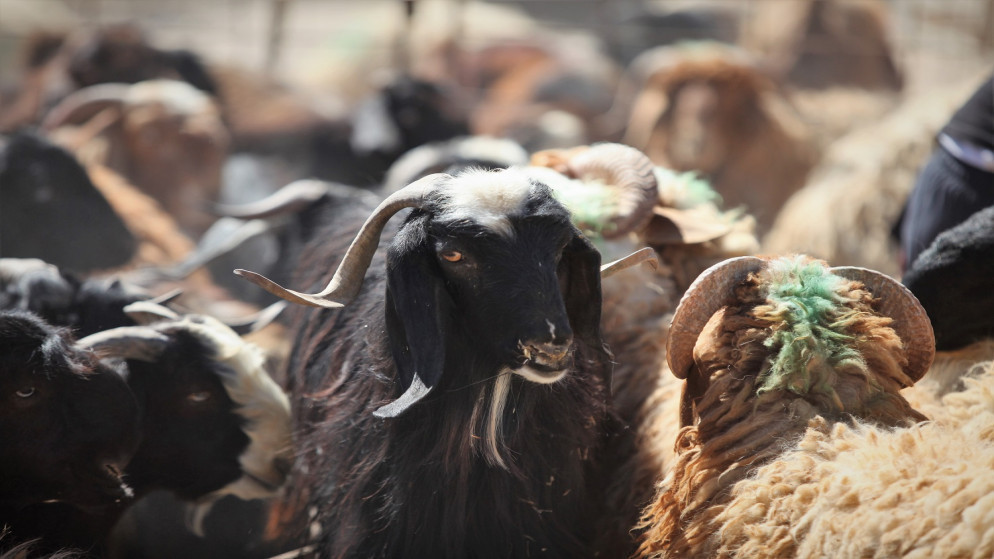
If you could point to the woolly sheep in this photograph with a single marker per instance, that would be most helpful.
(765, 346)
(867, 491)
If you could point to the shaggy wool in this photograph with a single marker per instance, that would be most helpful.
(799, 344)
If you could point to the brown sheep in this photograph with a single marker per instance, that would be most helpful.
(765, 346)
(164, 136)
(707, 109)
(688, 232)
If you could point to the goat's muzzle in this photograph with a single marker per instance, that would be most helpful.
(545, 362)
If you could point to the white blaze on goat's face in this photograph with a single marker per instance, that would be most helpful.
(487, 197)
(539, 377)
(258, 399)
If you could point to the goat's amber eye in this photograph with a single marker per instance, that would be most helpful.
(26, 392)
(452, 255)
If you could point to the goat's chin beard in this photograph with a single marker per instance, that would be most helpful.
(539, 376)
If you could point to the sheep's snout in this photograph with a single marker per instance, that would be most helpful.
(548, 354)
(545, 362)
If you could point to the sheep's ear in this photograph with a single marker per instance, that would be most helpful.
(580, 284)
(417, 315)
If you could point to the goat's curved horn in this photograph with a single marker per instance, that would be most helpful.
(225, 236)
(647, 255)
(167, 297)
(127, 342)
(911, 322)
(256, 321)
(81, 105)
(708, 293)
(290, 199)
(148, 312)
(626, 170)
(345, 284)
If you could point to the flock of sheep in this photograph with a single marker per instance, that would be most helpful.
(664, 325)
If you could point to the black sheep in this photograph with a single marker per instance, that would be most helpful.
(458, 406)
(68, 423)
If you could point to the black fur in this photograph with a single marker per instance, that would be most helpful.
(191, 434)
(49, 209)
(952, 280)
(62, 299)
(65, 416)
(188, 447)
(420, 484)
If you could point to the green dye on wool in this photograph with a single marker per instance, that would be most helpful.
(691, 189)
(811, 340)
(591, 205)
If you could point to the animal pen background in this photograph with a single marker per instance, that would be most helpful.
(325, 44)
(334, 53)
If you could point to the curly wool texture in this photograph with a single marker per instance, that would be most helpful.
(738, 426)
(924, 491)
(947, 376)
(637, 310)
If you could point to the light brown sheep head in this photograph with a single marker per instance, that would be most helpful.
(691, 115)
(719, 115)
(844, 339)
(165, 137)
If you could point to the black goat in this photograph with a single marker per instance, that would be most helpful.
(459, 405)
(68, 423)
(49, 209)
(87, 306)
(212, 422)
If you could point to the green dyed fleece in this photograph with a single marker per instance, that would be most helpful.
(811, 341)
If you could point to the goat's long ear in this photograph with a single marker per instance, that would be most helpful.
(418, 308)
(580, 283)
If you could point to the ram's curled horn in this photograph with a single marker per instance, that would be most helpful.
(345, 284)
(127, 342)
(290, 199)
(83, 104)
(711, 291)
(647, 255)
(910, 320)
(625, 170)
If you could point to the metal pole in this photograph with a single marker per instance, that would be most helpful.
(275, 43)
(402, 47)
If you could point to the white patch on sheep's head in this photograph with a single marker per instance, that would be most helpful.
(487, 197)
(265, 408)
(260, 402)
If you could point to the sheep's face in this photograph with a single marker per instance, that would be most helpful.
(67, 421)
(192, 436)
(496, 264)
(709, 109)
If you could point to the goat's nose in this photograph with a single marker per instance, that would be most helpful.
(549, 351)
